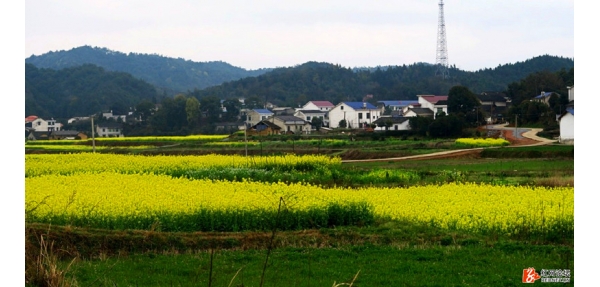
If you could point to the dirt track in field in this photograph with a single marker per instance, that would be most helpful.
(528, 138)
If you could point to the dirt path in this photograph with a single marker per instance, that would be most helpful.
(528, 138)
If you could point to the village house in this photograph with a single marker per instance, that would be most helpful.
(421, 112)
(109, 130)
(309, 115)
(392, 123)
(41, 125)
(264, 128)
(255, 116)
(396, 107)
(494, 104)
(318, 105)
(356, 114)
(291, 124)
(67, 135)
(437, 104)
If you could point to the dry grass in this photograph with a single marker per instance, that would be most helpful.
(556, 181)
(41, 265)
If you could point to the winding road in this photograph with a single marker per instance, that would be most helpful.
(527, 133)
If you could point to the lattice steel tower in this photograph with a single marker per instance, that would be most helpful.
(441, 59)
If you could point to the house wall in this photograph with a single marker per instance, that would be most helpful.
(396, 127)
(311, 106)
(109, 132)
(41, 125)
(571, 93)
(443, 108)
(343, 111)
(265, 132)
(425, 103)
(567, 128)
(309, 117)
(254, 117)
(297, 127)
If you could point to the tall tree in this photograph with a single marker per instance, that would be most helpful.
(192, 111)
(461, 101)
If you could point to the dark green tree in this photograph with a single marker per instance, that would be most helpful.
(461, 101)
(317, 123)
(420, 125)
(445, 127)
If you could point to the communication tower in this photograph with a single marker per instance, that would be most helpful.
(441, 59)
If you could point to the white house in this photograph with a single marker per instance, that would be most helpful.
(571, 93)
(421, 112)
(318, 105)
(41, 125)
(356, 114)
(437, 104)
(75, 119)
(309, 115)
(109, 130)
(567, 126)
(392, 124)
(109, 115)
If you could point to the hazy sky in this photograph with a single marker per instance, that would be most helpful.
(270, 33)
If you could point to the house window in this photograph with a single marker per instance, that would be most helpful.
(342, 108)
(395, 127)
(439, 110)
(360, 116)
(368, 115)
(308, 118)
(103, 130)
(249, 118)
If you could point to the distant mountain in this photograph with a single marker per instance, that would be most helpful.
(168, 74)
(82, 91)
(295, 86)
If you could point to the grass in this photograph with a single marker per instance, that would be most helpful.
(389, 254)
(525, 171)
(375, 265)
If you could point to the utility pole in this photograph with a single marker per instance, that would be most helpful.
(246, 138)
(516, 133)
(93, 137)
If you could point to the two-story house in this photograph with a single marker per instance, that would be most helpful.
(309, 115)
(291, 124)
(40, 125)
(355, 114)
(318, 105)
(437, 104)
(255, 116)
(106, 130)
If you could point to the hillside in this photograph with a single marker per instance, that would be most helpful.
(322, 81)
(168, 74)
(81, 91)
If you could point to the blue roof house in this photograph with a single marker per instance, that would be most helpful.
(355, 114)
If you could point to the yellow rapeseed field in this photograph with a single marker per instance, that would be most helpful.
(104, 199)
(41, 164)
(480, 142)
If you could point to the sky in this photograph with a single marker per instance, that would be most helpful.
(279, 33)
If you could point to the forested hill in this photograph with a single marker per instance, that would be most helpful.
(322, 81)
(82, 91)
(168, 74)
